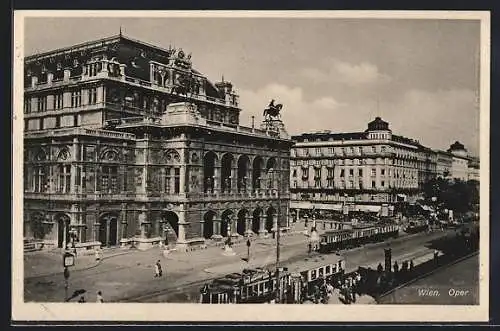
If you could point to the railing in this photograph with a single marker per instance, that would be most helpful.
(78, 131)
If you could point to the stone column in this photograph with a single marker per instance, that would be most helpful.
(275, 222)
(234, 180)
(262, 224)
(67, 74)
(248, 224)
(182, 180)
(108, 230)
(122, 70)
(123, 224)
(181, 236)
(34, 82)
(151, 74)
(216, 179)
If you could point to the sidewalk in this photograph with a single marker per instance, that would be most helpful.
(43, 264)
(130, 272)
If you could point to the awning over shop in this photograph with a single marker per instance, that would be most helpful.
(321, 206)
(369, 208)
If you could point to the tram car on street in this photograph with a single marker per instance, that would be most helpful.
(360, 234)
(416, 226)
(252, 286)
(309, 278)
(300, 283)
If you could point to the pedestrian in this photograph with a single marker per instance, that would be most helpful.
(411, 265)
(158, 270)
(82, 299)
(100, 299)
(97, 254)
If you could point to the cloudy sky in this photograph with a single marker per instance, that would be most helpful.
(330, 74)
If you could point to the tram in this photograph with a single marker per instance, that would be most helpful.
(360, 234)
(297, 284)
(314, 274)
(416, 226)
(252, 286)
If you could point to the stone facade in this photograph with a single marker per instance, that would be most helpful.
(360, 171)
(127, 144)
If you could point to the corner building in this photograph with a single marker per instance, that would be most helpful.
(127, 144)
(358, 171)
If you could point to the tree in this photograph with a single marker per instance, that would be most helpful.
(457, 195)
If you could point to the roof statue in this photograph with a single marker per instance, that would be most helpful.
(272, 111)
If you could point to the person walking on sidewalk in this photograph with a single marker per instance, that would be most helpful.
(158, 270)
(98, 254)
(100, 299)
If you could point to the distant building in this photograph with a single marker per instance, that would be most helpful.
(473, 169)
(358, 171)
(126, 143)
(444, 164)
(460, 161)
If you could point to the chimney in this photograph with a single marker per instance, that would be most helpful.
(253, 123)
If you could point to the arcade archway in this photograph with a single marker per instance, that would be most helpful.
(208, 227)
(108, 230)
(241, 222)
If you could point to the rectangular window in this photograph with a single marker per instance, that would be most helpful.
(42, 103)
(64, 179)
(330, 182)
(318, 151)
(93, 96)
(351, 172)
(341, 172)
(382, 172)
(360, 172)
(40, 180)
(317, 177)
(177, 177)
(382, 183)
(373, 184)
(109, 179)
(166, 180)
(294, 173)
(351, 184)
(330, 173)
(58, 101)
(76, 99)
(330, 150)
(27, 105)
(374, 172)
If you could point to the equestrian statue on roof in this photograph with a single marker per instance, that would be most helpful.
(272, 112)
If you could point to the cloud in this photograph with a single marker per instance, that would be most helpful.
(298, 114)
(437, 118)
(363, 73)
